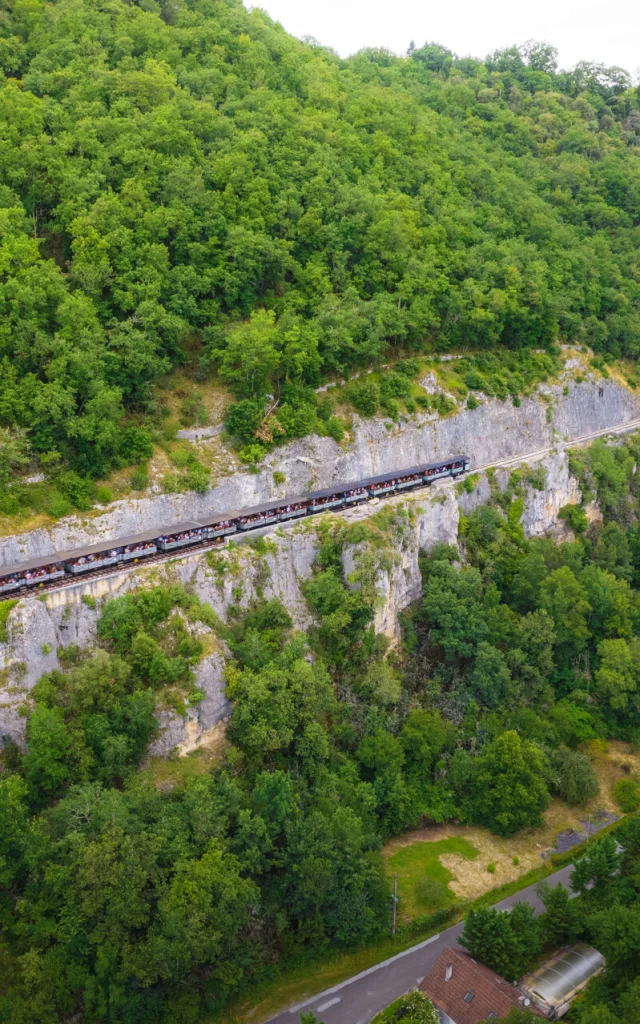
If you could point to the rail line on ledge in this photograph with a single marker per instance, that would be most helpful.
(63, 584)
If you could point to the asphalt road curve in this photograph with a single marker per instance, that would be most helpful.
(357, 1000)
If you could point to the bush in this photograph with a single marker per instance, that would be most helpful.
(140, 478)
(391, 408)
(475, 381)
(408, 367)
(59, 507)
(394, 385)
(293, 419)
(197, 479)
(5, 609)
(444, 404)
(575, 517)
(104, 495)
(576, 780)
(251, 453)
(365, 397)
(627, 794)
(414, 1008)
(137, 445)
(192, 411)
(243, 418)
(472, 402)
(332, 427)
(9, 502)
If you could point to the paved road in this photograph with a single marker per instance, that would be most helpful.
(357, 1000)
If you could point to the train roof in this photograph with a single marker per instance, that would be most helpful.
(90, 549)
(173, 528)
(392, 473)
(269, 505)
(29, 563)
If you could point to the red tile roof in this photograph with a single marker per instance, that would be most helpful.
(491, 993)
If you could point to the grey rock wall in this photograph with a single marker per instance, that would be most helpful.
(495, 430)
(38, 627)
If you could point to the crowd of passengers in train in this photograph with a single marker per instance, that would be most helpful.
(44, 572)
(199, 534)
(259, 517)
(100, 556)
(172, 538)
(138, 549)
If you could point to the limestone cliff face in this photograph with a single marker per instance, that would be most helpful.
(39, 626)
(494, 431)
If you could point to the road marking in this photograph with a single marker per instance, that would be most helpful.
(325, 1006)
(363, 974)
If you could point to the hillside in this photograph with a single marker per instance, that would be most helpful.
(158, 892)
(186, 182)
(203, 760)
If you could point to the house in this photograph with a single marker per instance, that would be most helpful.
(467, 992)
(558, 980)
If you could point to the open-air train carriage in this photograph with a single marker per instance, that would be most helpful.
(415, 476)
(355, 495)
(321, 501)
(141, 545)
(39, 571)
(260, 515)
(220, 526)
(33, 572)
(271, 512)
(91, 562)
(181, 535)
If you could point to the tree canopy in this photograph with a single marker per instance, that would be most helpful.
(171, 172)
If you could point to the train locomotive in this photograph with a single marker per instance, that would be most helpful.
(46, 570)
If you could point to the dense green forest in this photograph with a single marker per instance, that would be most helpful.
(123, 900)
(185, 177)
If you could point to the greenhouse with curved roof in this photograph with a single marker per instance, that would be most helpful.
(557, 981)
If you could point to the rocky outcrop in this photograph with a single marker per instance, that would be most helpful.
(39, 626)
(202, 720)
(494, 431)
(542, 503)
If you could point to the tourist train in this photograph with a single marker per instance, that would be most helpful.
(38, 572)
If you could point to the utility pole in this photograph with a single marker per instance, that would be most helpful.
(395, 903)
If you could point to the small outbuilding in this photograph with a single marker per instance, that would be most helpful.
(557, 981)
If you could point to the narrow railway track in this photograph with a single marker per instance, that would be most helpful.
(208, 545)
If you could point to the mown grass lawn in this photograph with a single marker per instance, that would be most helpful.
(423, 881)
